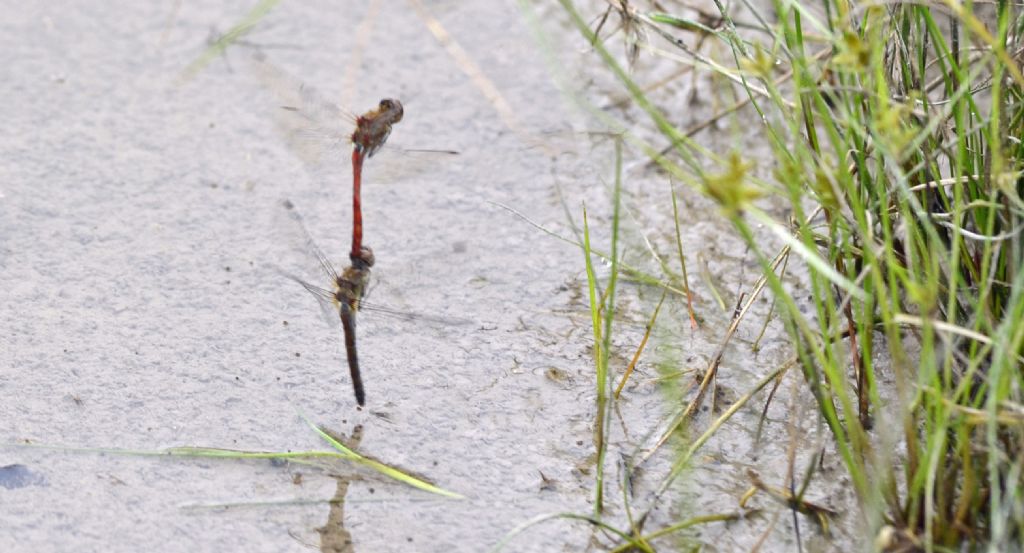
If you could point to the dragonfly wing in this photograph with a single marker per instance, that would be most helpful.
(311, 141)
(395, 162)
(348, 321)
(409, 316)
(325, 298)
(293, 93)
(302, 243)
(316, 129)
(328, 307)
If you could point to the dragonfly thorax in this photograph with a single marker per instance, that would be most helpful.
(374, 127)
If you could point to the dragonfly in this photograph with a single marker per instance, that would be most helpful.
(319, 130)
(345, 298)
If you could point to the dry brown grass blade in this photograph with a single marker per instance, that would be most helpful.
(643, 344)
(470, 68)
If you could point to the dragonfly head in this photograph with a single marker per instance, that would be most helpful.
(364, 260)
(392, 109)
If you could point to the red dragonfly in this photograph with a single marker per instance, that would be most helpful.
(318, 129)
(345, 298)
(372, 131)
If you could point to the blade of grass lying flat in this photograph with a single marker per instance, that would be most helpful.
(302, 457)
(298, 502)
(196, 451)
(382, 468)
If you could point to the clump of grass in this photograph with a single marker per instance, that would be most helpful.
(895, 133)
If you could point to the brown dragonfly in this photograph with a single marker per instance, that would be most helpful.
(345, 298)
(319, 130)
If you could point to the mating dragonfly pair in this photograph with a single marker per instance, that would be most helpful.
(317, 127)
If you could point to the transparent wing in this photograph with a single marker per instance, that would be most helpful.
(325, 298)
(316, 129)
(395, 162)
(315, 143)
(374, 308)
(294, 94)
(301, 241)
